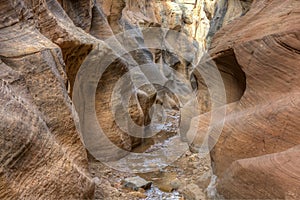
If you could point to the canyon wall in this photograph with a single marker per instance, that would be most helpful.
(257, 154)
(44, 43)
(42, 156)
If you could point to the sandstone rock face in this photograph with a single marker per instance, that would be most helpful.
(257, 155)
(115, 17)
(44, 43)
(42, 156)
(225, 12)
(42, 46)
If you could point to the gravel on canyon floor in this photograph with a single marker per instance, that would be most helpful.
(187, 178)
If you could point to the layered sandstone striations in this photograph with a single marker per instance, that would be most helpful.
(257, 154)
(44, 43)
(41, 153)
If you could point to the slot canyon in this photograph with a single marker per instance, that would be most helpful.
(150, 99)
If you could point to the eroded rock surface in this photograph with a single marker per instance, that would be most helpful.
(44, 43)
(41, 152)
(258, 151)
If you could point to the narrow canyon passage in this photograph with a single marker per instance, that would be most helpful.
(155, 100)
(149, 99)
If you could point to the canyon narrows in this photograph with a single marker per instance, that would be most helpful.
(149, 99)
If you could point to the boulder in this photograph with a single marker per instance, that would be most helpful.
(193, 192)
(136, 182)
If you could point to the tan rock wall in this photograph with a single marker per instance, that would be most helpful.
(257, 153)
